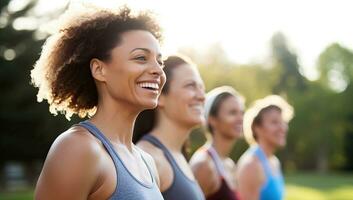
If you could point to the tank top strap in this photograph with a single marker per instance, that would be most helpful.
(216, 160)
(99, 135)
(153, 140)
(263, 159)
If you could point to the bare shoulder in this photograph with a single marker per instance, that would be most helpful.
(249, 176)
(201, 162)
(76, 142)
(205, 172)
(248, 163)
(249, 167)
(72, 164)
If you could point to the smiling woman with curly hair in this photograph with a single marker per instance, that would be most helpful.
(106, 65)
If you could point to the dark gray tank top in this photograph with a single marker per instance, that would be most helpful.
(128, 187)
(182, 188)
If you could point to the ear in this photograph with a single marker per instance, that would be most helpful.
(212, 121)
(256, 130)
(97, 69)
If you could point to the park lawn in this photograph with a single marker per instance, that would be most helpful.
(299, 186)
(312, 186)
(23, 195)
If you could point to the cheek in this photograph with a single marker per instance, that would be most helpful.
(183, 98)
(229, 121)
(175, 104)
(163, 79)
(277, 132)
(122, 78)
(269, 132)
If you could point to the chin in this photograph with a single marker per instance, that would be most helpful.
(196, 122)
(149, 104)
(233, 136)
(238, 135)
(281, 144)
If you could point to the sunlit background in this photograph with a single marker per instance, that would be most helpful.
(302, 50)
(242, 28)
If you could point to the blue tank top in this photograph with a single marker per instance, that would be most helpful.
(273, 188)
(182, 187)
(128, 187)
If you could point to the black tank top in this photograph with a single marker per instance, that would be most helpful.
(224, 192)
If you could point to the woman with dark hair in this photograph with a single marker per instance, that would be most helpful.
(265, 127)
(162, 132)
(106, 65)
(211, 164)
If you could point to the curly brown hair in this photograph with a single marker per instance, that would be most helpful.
(62, 73)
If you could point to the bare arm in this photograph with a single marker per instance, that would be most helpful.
(205, 174)
(71, 168)
(250, 179)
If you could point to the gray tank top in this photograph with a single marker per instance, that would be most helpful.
(128, 187)
(182, 188)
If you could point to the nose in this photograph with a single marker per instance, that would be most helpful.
(200, 94)
(156, 69)
(285, 126)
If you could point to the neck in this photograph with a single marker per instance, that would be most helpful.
(268, 149)
(116, 120)
(171, 134)
(223, 145)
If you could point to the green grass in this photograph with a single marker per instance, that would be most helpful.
(22, 195)
(300, 186)
(309, 186)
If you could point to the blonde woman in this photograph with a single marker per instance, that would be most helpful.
(265, 128)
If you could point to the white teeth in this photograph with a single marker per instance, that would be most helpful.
(149, 85)
(198, 107)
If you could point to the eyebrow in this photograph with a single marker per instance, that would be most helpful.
(146, 50)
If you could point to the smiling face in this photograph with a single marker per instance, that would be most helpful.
(229, 118)
(273, 129)
(185, 98)
(134, 74)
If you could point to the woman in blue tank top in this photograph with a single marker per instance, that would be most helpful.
(163, 132)
(265, 127)
(107, 65)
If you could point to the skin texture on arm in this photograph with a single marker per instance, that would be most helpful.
(250, 178)
(72, 167)
(205, 173)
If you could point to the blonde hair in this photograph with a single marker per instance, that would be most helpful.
(287, 112)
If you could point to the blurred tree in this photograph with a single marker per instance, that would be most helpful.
(336, 73)
(27, 127)
(316, 135)
(286, 63)
(336, 67)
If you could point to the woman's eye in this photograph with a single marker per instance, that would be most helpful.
(141, 58)
(191, 85)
